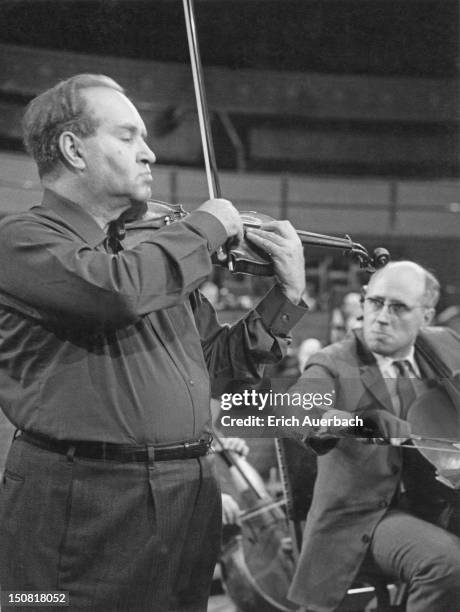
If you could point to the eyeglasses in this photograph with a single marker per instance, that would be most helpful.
(396, 309)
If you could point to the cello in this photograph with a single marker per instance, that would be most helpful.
(432, 472)
(256, 560)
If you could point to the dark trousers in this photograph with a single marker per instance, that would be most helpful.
(421, 554)
(120, 537)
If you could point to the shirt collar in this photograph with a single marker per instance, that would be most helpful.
(386, 363)
(74, 216)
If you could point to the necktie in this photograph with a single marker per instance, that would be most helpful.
(404, 387)
(115, 234)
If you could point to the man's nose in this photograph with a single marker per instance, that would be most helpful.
(384, 314)
(147, 155)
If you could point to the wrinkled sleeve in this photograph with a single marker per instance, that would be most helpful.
(54, 271)
(239, 352)
(318, 378)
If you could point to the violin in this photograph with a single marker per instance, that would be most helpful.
(246, 257)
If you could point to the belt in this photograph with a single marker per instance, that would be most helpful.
(120, 452)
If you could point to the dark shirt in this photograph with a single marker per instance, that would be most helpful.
(119, 347)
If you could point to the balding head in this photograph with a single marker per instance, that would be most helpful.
(400, 300)
(415, 276)
(61, 108)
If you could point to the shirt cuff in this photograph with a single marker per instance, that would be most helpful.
(209, 227)
(278, 313)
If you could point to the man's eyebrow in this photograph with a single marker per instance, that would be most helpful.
(381, 297)
(133, 129)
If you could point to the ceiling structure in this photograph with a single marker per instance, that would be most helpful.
(366, 87)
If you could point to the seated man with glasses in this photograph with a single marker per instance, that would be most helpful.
(361, 517)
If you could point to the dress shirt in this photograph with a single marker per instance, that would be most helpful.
(390, 373)
(119, 347)
(387, 368)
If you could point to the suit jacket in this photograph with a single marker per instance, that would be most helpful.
(355, 482)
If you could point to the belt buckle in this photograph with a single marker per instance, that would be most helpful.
(150, 455)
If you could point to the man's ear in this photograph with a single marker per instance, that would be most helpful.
(71, 148)
(428, 316)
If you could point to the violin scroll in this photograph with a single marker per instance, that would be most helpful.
(380, 257)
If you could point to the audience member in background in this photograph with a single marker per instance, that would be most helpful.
(347, 317)
(307, 348)
(450, 317)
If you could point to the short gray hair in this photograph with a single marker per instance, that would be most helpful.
(432, 289)
(56, 110)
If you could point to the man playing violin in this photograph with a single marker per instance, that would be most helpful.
(361, 518)
(108, 357)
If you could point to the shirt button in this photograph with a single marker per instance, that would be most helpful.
(191, 382)
(285, 317)
(366, 538)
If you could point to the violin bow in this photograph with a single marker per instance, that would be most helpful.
(207, 143)
(447, 442)
(414, 438)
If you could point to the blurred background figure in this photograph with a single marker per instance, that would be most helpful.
(308, 347)
(450, 317)
(6, 435)
(346, 317)
(211, 292)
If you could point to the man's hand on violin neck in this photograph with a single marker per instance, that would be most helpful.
(280, 240)
(227, 214)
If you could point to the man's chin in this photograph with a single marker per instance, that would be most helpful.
(142, 193)
(380, 344)
(140, 198)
